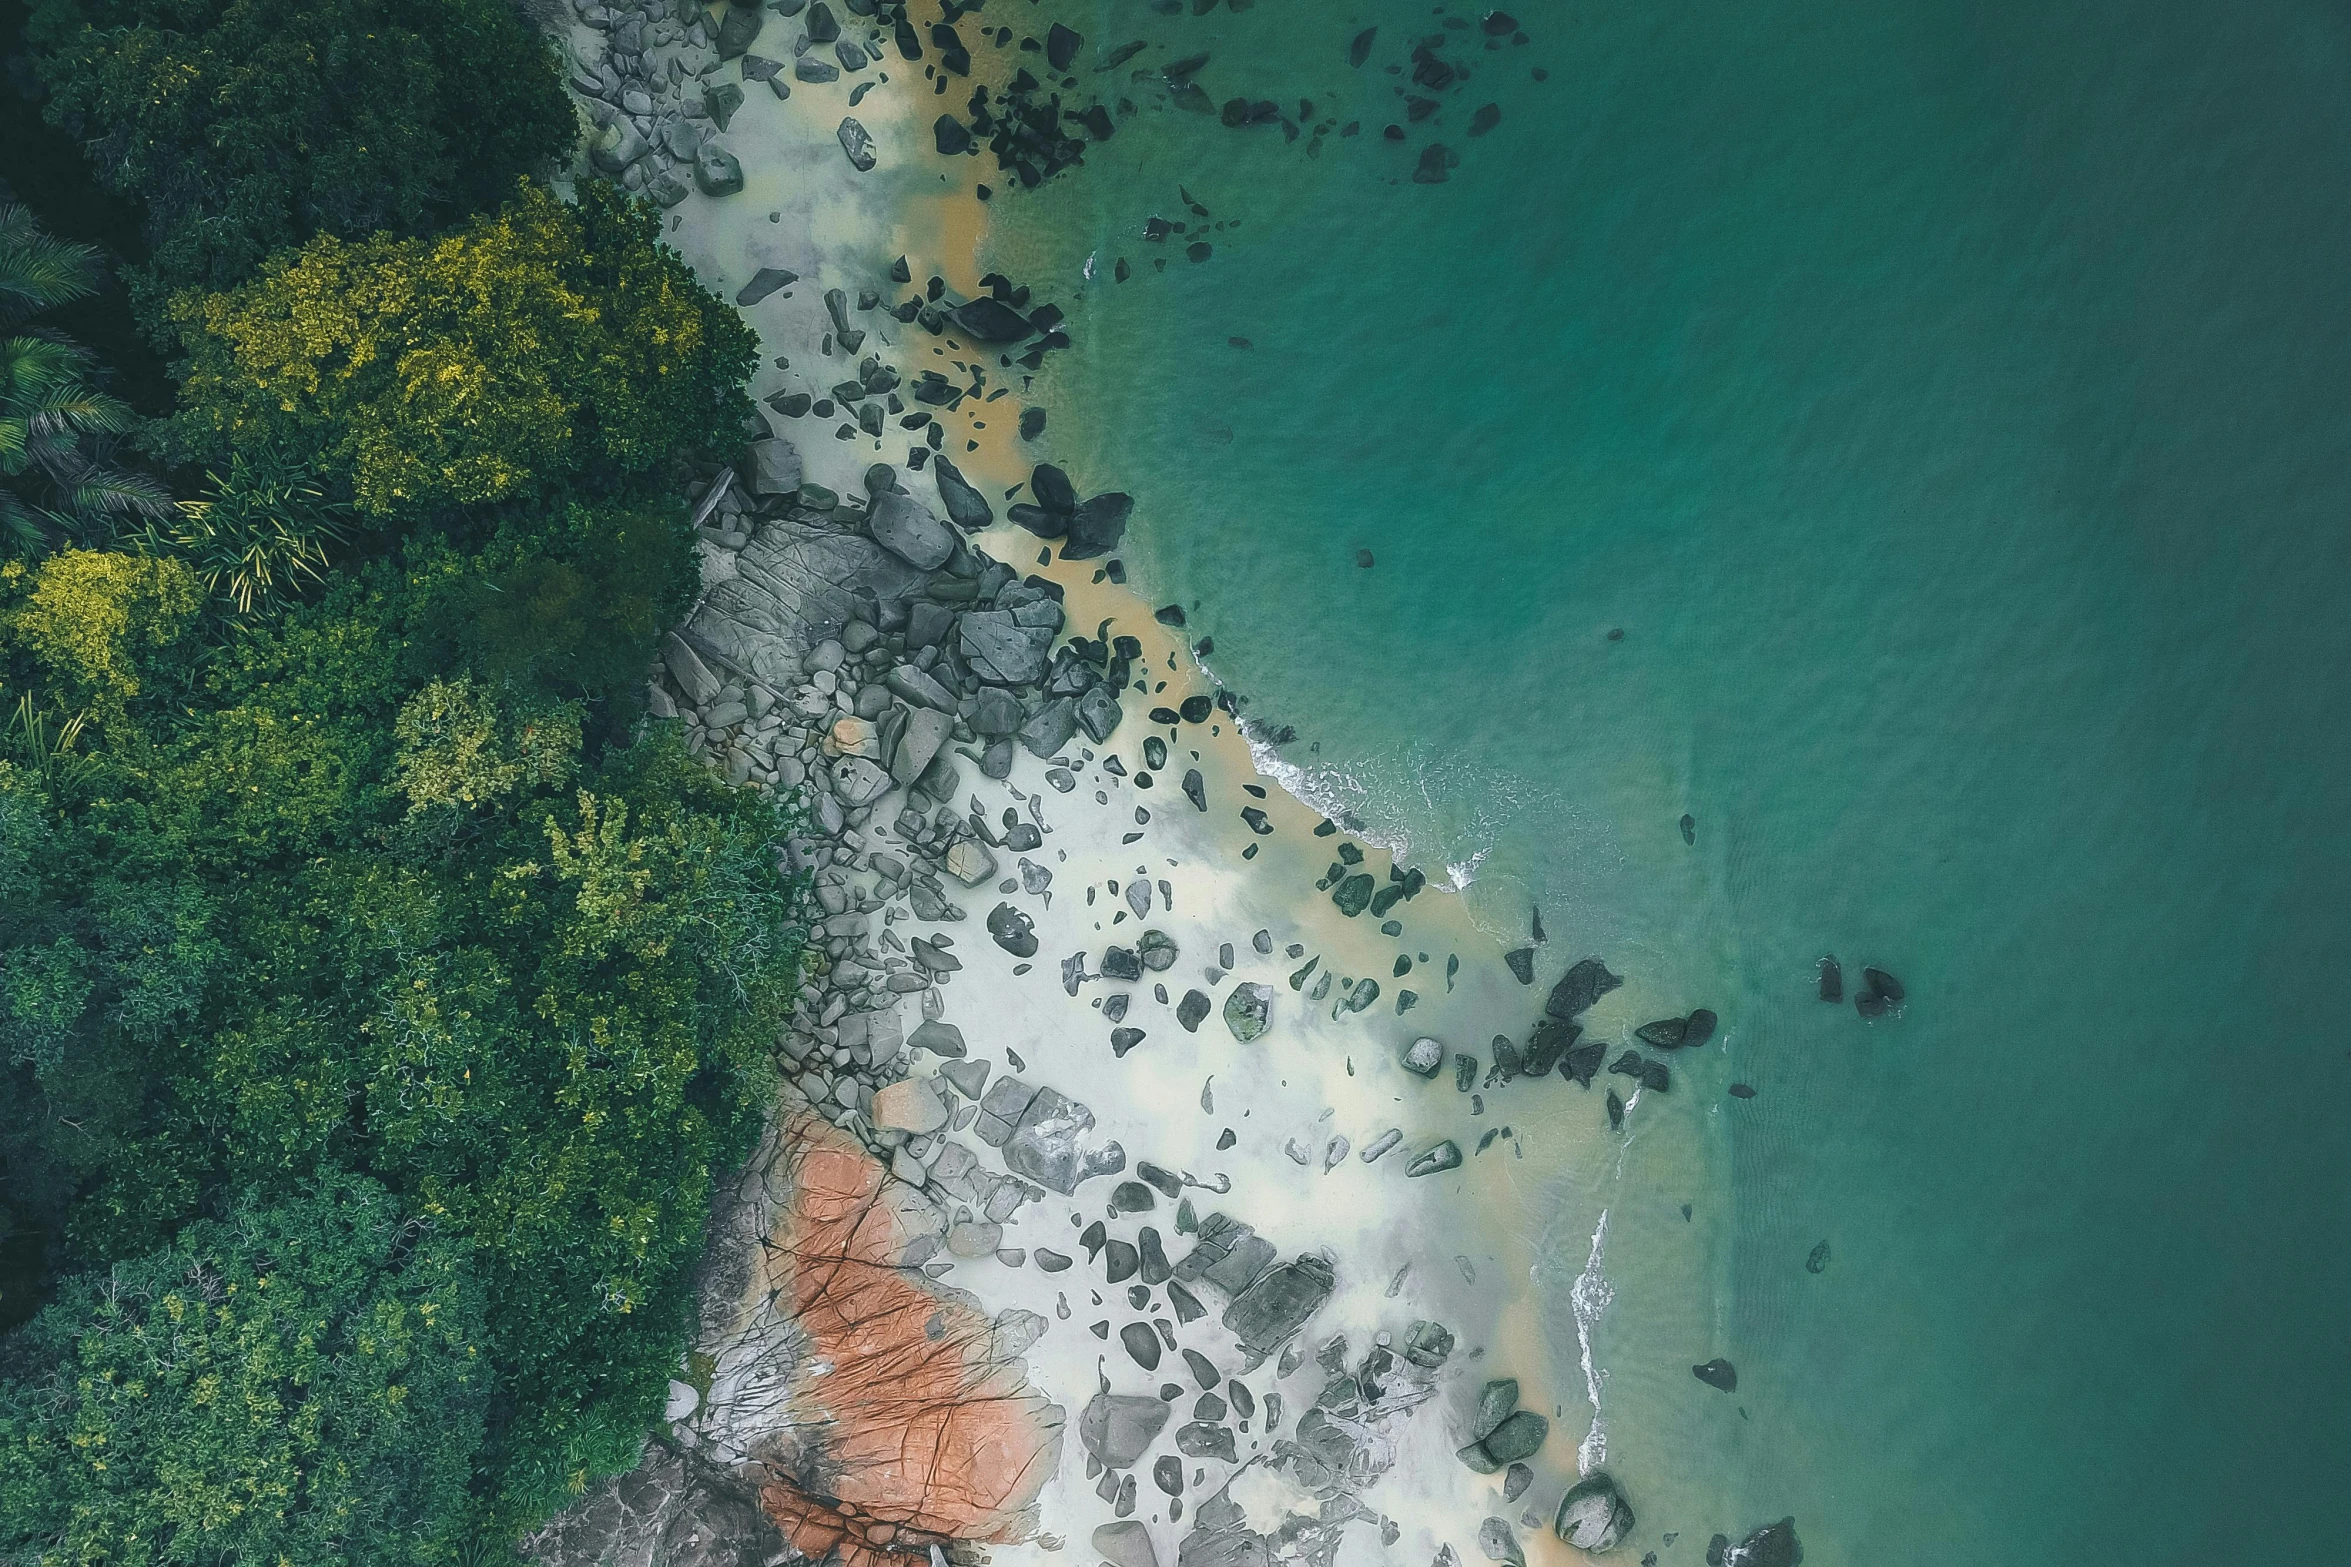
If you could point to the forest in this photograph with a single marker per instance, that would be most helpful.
(382, 991)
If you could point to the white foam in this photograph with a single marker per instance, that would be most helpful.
(1590, 1297)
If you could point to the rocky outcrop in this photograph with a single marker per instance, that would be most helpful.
(852, 1405)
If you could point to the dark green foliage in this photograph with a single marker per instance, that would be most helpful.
(301, 1384)
(58, 426)
(249, 125)
(355, 932)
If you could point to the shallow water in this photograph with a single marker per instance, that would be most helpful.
(1947, 405)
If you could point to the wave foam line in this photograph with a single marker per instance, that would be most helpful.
(1590, 1296)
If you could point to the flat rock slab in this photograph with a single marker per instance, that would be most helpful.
(904, 526)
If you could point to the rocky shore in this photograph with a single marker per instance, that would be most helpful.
(986, 1207)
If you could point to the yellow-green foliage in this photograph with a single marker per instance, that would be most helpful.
(458, 748)
(537, 346)
(87, 615)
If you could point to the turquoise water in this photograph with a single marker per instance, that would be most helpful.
(1949, 404)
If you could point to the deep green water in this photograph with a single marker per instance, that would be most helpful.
(1951, 405)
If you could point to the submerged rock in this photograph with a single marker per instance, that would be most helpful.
(1832, 980)
(1773, 1545)
(1717, 1373)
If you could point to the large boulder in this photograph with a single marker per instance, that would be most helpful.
(772, 467)
(904, 526)
(1118, 1428)
(1098, 712)
(857, 142)
(1248, 1011)
(966, 507)
(615, 145)
(1096, 527)
(991, 320)
(1126, 1543)
(1049, 728)
(1579, 987)
(717, 172)
(926, 731)
(1278, 1304)
(1001, 650)
(739, 30)
(1593, 1515)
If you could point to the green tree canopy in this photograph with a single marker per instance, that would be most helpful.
(541, 346)
(301, 1384)
(358, 890)
(249, 125)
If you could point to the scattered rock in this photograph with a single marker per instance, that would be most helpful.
(1248, 1011)
(1424, 1056)
(1012, 930)
(1445, 1156)
(1119, 1428)
(857, 142)
(1191, 1010)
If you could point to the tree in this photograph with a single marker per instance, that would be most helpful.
(302, 1384)
(57, 428)
(249, 125)
(540, 347)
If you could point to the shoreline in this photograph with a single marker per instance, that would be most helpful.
(1317, 1073)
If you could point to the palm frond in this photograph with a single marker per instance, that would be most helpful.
(39, 271)
(105, 490)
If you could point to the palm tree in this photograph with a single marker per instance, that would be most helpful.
(57, 429)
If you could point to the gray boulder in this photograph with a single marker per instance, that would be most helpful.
(1593, 1515)
(615, 146)
(1096, 527)
(943, 1039)
(1278, 1304)
(857, 142)
(772, 466)
(857, 781)
(903, 526)
(927, 729)
(1125, 1543)
(717, 172)
(1098, 712)
(1248, 1011)
(739, 30)
(1012, 930)
(966, 507)
(1050, 727)
(1046, 1144)
(1579, 987)
(1118, 1428)
(1001, 650)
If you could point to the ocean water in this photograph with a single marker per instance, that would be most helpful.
(1949, 405)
